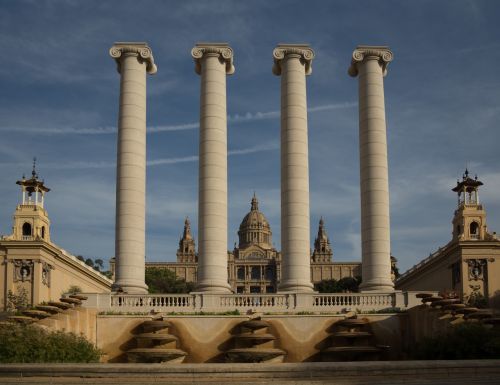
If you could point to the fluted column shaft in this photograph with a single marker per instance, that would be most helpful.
(213, 62)
(370, 64)
(133, 61)
(293, 63)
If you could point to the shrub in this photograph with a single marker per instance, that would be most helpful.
(31, 344)
(464, 341)
(73, 289)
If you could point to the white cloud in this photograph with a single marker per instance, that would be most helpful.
(247, 117)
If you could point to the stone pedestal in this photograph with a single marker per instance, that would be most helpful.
(213, 61)
(370, 64)
(293, 63)
(133, 60)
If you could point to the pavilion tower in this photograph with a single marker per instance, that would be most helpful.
(31, 221)
(469, 221)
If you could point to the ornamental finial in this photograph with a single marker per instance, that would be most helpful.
(367, 52)
(33, 172)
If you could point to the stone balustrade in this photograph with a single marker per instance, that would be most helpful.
(269, 303)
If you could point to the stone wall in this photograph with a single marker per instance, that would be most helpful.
(206, 338)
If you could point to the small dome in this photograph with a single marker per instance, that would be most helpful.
(254, 228)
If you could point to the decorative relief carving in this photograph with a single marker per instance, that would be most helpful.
(383, 54)
(141, 50)
(305, 53)
(225, 52)
(23, 270)
(46, 268)
(477, 269)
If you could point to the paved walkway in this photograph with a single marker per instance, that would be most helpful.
(470, 372)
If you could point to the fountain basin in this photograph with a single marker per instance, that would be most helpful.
(49, 309)
(255, 355)
(254, 324)
(352, 334)
(153, 355)
(255, 338)
(352, 322)
(60, 305)
(352, 349)
(163, 337)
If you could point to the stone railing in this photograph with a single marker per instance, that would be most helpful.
(252, 301)
(355, 300)
(171, 302)
(267, 303)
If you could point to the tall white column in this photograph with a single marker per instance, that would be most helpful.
(213, 61)
(293, 63)
(370, 63)
(133, 61)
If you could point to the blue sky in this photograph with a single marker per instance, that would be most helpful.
(59, 102)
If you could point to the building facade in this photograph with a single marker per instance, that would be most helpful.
(470, 263)
(254, 265)
(32, 265)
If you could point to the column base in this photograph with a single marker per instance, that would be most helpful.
(377, 285)
(213, 287)
(129, 288)
(296, 286)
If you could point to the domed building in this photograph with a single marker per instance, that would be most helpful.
(254, 265)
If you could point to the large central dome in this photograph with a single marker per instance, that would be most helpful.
(255, 229)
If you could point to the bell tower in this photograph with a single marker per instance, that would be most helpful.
(31, 222)
(322, 248)
(469, 221)
(187, 248)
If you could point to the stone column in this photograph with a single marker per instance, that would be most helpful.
(370, 63)
(293, 63)
(133, 61)
(213, 61)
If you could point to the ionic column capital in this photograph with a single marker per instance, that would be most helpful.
(223, 50)
(302, 51)
(141, 50)
(365, 52)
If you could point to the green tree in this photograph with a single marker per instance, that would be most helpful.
(348, 284)
(327, 286)
(98, 264)
(165, 281)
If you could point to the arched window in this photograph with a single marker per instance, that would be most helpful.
(474, 230)
(43, 232)
(26, 229)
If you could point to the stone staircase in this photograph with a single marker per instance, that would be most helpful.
(455, 311)
(67, 314)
